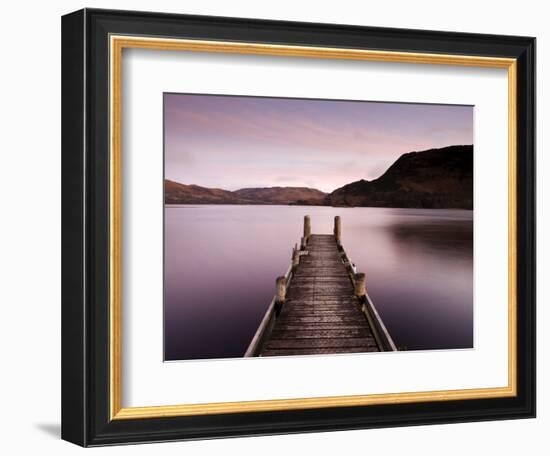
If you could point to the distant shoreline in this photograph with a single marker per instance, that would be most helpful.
(319, 205)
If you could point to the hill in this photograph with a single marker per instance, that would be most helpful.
(435, 178)
(283, 195)
(176, 193)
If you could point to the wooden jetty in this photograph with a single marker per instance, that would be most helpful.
(321, 305)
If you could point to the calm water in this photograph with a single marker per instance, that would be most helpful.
(221, 263)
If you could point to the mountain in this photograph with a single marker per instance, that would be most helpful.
(283, 195)
(435, 178)
(176, 193)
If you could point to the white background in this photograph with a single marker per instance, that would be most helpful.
(148, 73)
(30, 227)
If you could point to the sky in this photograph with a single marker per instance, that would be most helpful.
(234, 142)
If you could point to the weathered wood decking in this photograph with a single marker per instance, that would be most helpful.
(321, 312)
(321, 306)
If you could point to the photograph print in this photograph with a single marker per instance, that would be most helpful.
(303, 227)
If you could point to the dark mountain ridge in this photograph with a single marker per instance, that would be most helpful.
(435, 178)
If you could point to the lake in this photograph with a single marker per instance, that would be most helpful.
(221, 262)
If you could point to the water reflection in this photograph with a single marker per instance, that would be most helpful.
(221, 263)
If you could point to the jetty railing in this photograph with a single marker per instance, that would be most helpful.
(266, 325)
(379, 330)
(358, 280)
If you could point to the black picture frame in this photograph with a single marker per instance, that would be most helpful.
(85, 227)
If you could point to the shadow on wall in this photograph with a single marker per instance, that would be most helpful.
(51, 429)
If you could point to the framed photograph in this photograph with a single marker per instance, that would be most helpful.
(279, 227)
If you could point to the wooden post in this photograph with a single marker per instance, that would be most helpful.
(281, 289)
(360, 284)
(295, 257)
(303, 243)
(338, 229)
(307, 227)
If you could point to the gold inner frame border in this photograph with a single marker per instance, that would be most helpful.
(116, 46)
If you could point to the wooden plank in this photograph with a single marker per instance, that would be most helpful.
(320, 333)
(329, 351)
(312, 311)
(322, 301)
(321, 326)
(320, 312)
(321, 319)
(336, 342)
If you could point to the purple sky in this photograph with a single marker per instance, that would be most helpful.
(235, 142)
